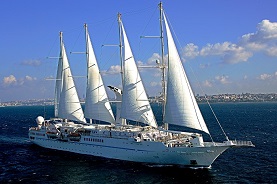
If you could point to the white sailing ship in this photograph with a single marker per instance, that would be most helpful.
(68, 131)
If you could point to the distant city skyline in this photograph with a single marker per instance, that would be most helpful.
(226, 46)
(219, 98)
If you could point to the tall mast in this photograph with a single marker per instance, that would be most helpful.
(58, 79)
(87, 52)
(123, 121)
(61, 38)
(163, 67)
(120, 45)
(87, 56)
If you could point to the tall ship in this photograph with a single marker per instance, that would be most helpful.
(73, 130)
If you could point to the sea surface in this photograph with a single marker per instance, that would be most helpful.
(23, 162)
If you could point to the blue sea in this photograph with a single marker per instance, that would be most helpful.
(23, 162)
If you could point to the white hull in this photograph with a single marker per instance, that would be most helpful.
(128, 149)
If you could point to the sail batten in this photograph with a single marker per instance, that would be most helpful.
(181, 107)
(135, 104)
(97, 106)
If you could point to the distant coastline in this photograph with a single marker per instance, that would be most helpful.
(243, 97)
(220, 98)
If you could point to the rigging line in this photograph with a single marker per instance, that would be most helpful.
(112, 55)
(198, 83)
(143, 31)
(78, 37)
(172, 29)
(133, 12)
(54, 43)
(217, 119)
(101, 21)
(231, 112)
(140, 40)
(154, 12)
(71, 30)
(110, 30)
(105, 63)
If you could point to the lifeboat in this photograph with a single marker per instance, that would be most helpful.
(74, 136)
(52, 134)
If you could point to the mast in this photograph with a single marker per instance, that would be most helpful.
(120, 45)
(58, 78)
(87, 56)
(122, 120)
(163, 68)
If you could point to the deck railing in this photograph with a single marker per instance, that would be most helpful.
(242, 143)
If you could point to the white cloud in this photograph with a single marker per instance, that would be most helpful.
(272, 51)
(253, 46)
(10, 80)
(31, 63)
(28, 78)
(115, 69)
(265, 76)
(207, 83)
(154, 84)
(229, 52)
(190, 51)
(154, 58)
(205, 65)
(139, 63)
(264, 40)
(223, 79)
(157, 74)
(216, 49)
(266, 31)
(236, 55)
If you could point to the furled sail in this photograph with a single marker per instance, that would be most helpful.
(181, 107)
(135, 104)
(69, 106)
(97, 106)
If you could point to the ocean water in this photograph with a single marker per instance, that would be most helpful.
(23, 162)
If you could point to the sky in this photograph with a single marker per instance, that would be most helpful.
(225, 46)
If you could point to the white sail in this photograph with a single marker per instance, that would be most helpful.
(181, 107)
(97, 106)
(135, 104)
(69, 106)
